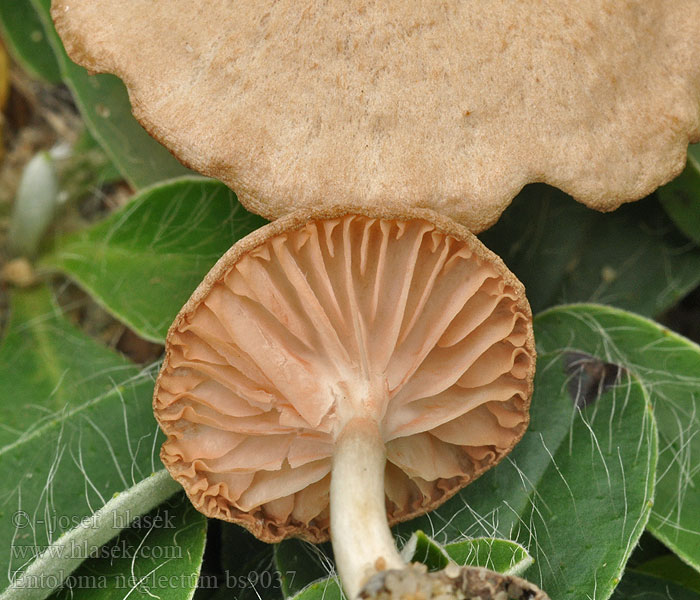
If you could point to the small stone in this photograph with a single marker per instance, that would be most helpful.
(608, 274)
(18, 272)
(452, 570)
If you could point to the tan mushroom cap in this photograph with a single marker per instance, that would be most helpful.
(452, 106)
(399, 314)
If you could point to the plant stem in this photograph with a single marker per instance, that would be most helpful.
(362, 540)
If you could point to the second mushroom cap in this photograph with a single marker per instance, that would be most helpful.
(451, 105)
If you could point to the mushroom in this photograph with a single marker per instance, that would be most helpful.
(345, 369)
(452, 106)
(295, 376)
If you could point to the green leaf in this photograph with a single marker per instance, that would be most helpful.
(24, 34)
(77, 429)
(144, 261)
(43, 367)
(104, 105)
(499, 555)
(681, 197)
(576, 491)
(671, 568)
(298, 564)
(647, 549)
(159, 556)
(53, 565)
(637, 586)
(326, 589)
(633, 258)
(668, 366)
(423, 549)
(238, 565)
(91, 155)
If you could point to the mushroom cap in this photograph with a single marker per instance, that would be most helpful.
(452, 106)
(397, 314)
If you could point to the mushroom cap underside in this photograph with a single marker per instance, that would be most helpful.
(318, 317)
(452, 106)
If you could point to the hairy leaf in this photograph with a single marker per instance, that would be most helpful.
(144, 261)
(52, 565)
(298, 564)
(668, 366)
(423, 549)
(78, 430)
(671, 568)
(326, 589)
(681, 197)
(43, 368)
(244, 568)
(159, 556)
(633, 258)
(499, 555)
(576, 492)
(637, 586)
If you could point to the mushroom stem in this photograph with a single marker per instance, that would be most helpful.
(362, 540)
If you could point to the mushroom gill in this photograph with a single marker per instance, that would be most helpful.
(313, 320)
